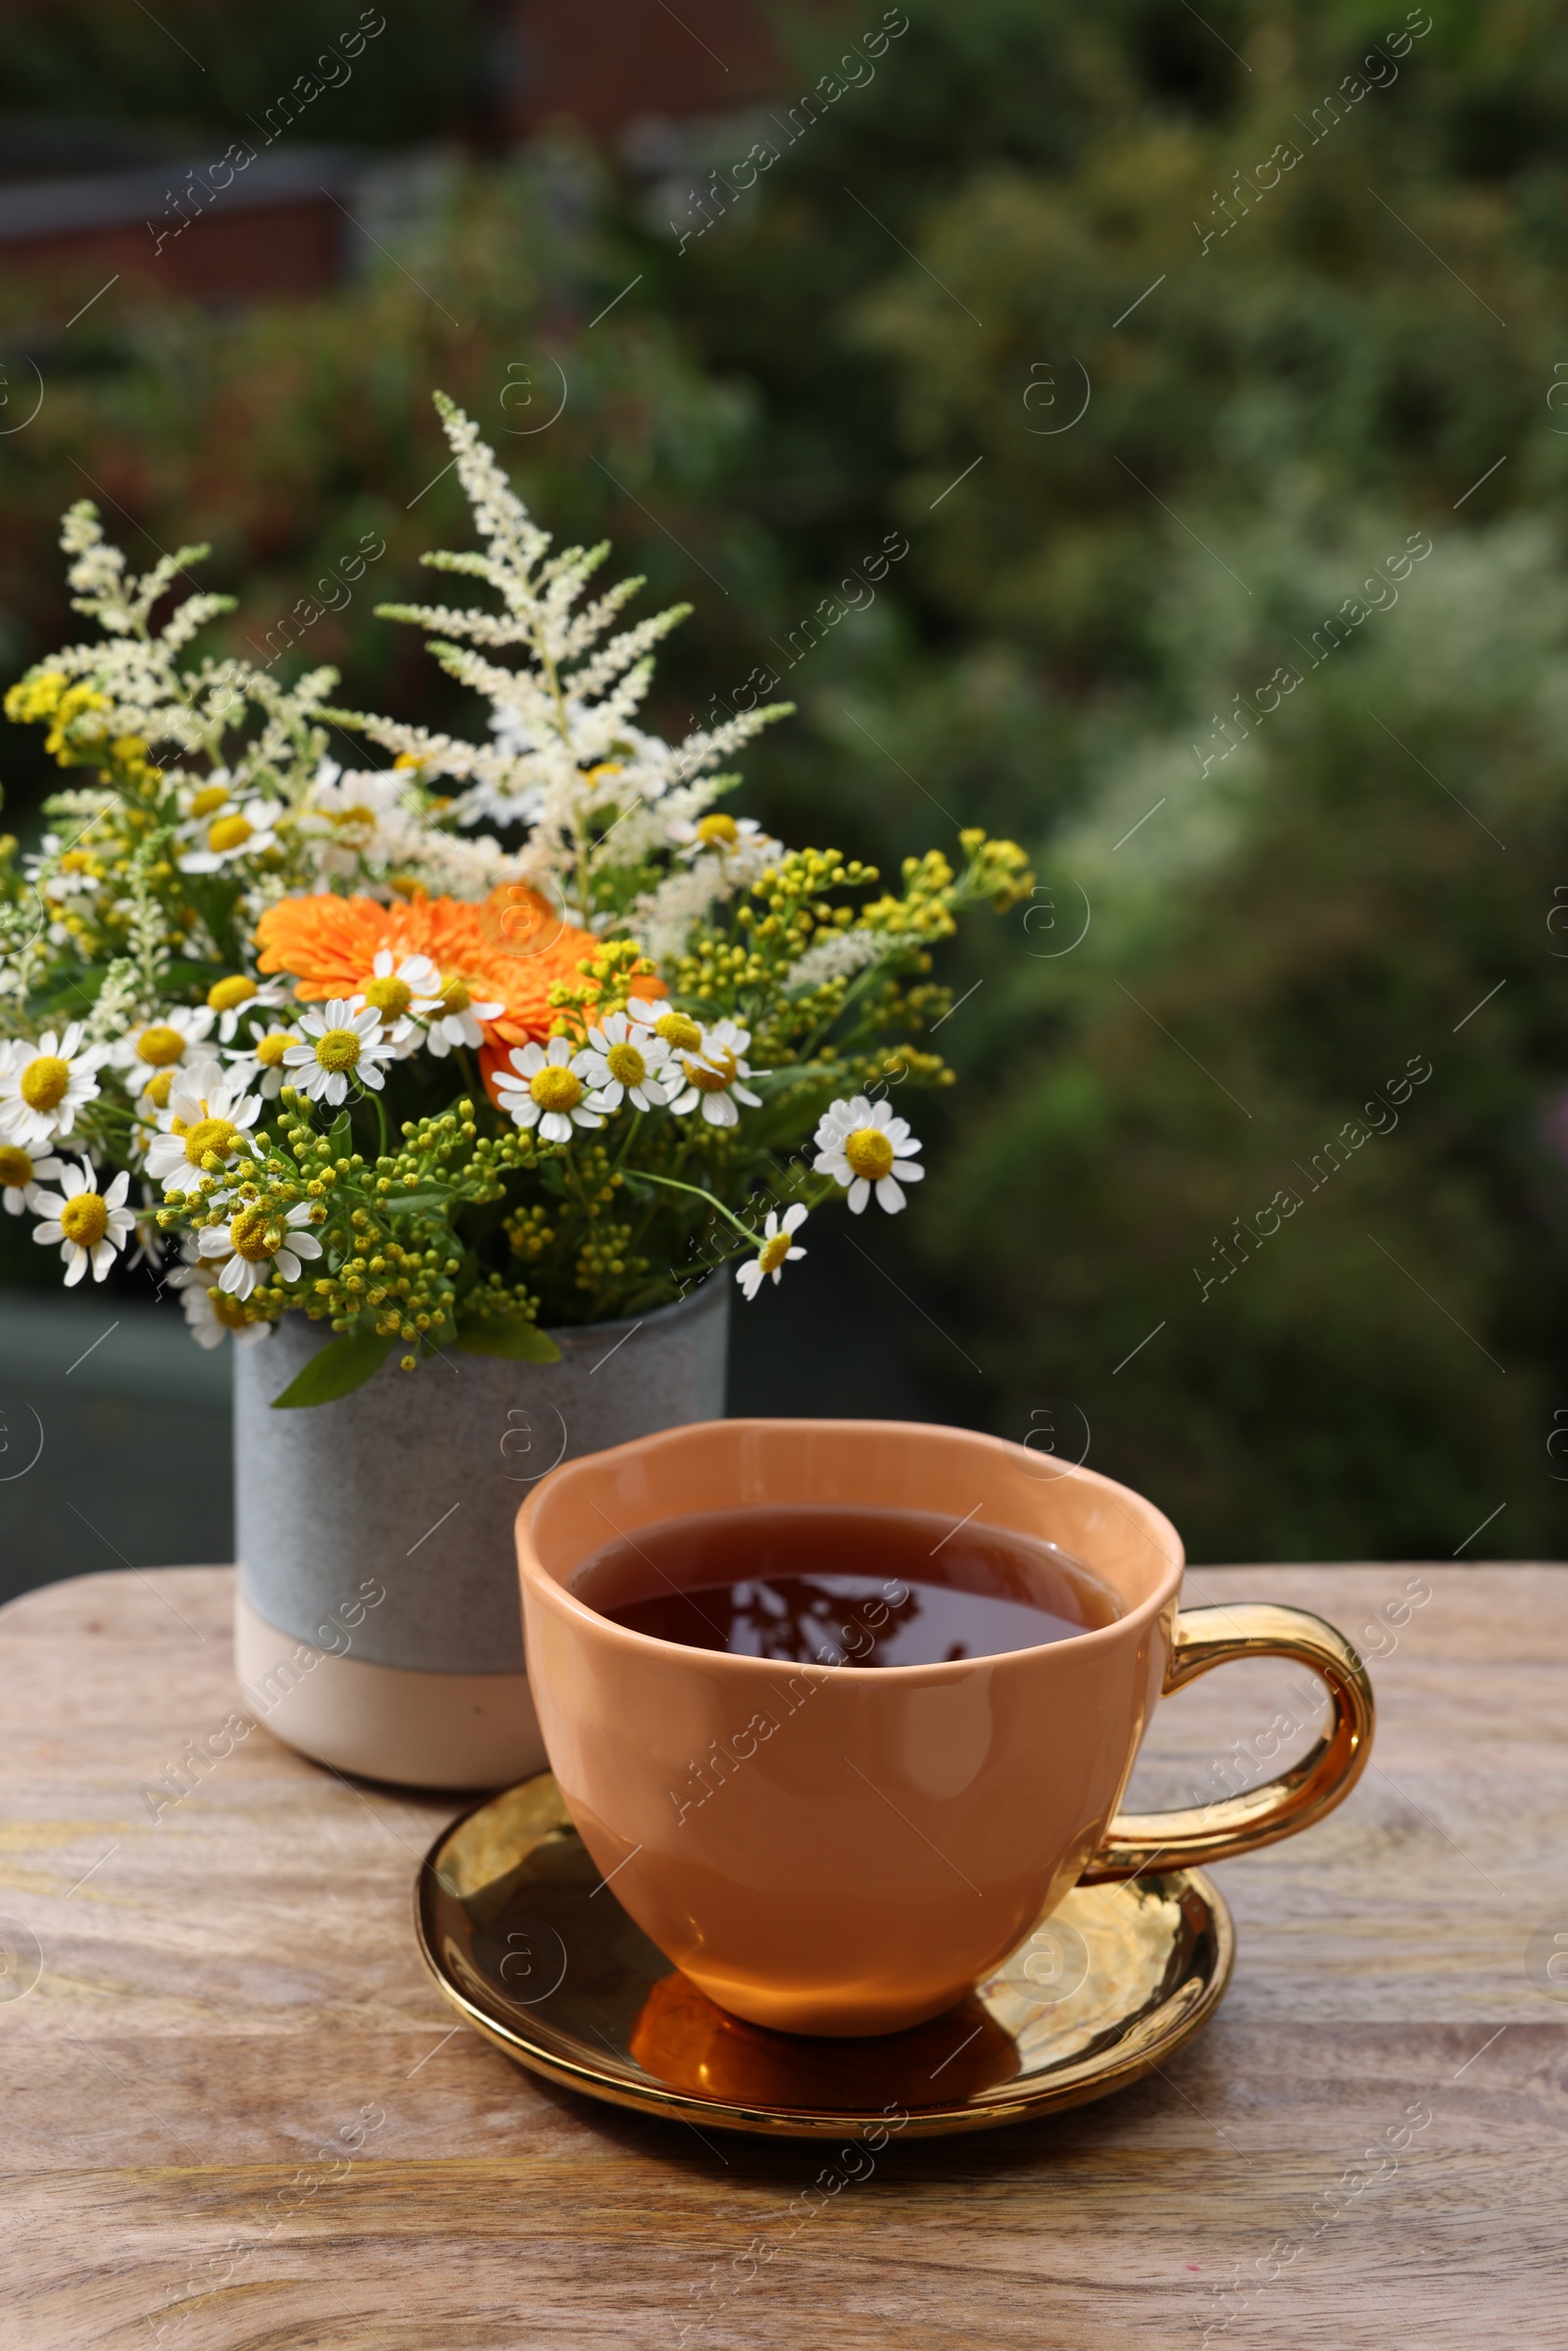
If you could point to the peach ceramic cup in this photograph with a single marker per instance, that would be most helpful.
(874, 1839)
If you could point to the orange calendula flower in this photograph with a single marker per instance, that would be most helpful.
(511, 948)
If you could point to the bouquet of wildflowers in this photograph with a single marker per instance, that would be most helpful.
(497, 1035)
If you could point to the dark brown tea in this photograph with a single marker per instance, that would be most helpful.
(829, 1583)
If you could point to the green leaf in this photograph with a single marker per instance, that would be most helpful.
(340, 1135)
(181, 975)
(509, 1335)
(340, 1368)
(418, 1203)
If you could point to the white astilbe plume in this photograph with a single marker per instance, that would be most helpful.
(208, 723)
(121, 999)
(139, 673)
(840, 955)
(24, 945)
(661, 919)
(567, 758)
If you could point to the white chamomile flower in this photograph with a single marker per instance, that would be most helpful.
(151, 1243)
(20, 1176)
(628, 1057)
(260, 1062)
(675, 1029)
(209, 1112)
(260, 1243)
(227, 998)
(861, 1144)
(212, 1315)
(775, 1252)
(716, 831)
(713, 1074)
(61, 872)
(236, 829)
(151, 1053)
(90, 1225)
(339, 1041)
(549, 1090)
(394, 991)
(43, 1086)
(454, 1018)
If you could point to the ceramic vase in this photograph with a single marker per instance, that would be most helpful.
(378, 1619)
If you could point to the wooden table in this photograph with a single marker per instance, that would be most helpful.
(232, 1988)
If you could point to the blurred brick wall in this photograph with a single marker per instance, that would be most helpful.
(605, 62)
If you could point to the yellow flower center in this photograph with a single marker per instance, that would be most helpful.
(257, 1234)
(44, 1082)
(676, 1030)
(359, 814)
(712, 1079)
(160, 1045)
(218, 1135)
(228, 1310)
(86, 1219)
(556, 1089)
(455, 996)
(269, 1050)
(229, 832)
(390, 997)
(210, 797)
(627, 1064)
(717, 827)
(157, 1088)
(869, 1153)
(223, 995)
(77, 860)
(16, 1167)
(773, 1252)
(339, 1049)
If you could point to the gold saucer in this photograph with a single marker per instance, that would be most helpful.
(537, 1956)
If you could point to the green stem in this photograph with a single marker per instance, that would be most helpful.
(631, 1131)
(681, 1156)
(671, 1184)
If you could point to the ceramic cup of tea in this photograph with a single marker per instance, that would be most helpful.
(842, 1710)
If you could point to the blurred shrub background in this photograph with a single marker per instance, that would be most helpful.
(1251, 918)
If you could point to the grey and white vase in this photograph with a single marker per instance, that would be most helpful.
(378, 1625)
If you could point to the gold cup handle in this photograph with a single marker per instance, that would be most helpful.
(1205, 1637)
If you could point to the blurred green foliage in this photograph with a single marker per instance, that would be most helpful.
(894, 331)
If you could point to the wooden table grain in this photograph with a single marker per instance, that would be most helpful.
(236, 2114)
